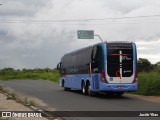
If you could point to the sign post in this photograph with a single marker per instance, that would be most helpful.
(99, 37)
(87, 34)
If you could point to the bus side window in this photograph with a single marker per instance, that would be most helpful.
(63, 66)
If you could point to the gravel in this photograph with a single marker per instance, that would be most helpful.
(12, 105)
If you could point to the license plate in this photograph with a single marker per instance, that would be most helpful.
(120, 86)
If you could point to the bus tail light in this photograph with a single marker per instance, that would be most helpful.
(136, 77)
(103, 76)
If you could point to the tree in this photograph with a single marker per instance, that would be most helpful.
(157, 63)
(144, 65)
(7, 71)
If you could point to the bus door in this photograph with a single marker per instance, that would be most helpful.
(96, 65)
(120, 67)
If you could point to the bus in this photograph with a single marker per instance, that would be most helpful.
(109, 67)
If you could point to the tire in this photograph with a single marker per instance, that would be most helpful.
(90, 93)
(84, 91)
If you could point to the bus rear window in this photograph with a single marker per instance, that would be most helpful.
(119, 55)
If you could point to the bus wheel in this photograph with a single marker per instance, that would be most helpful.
(84, 91)
(90, 93)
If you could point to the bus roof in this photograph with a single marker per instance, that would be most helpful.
(119, 42)
(97, 44)
(81, 49)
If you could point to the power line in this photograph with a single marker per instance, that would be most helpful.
(140, 22)
(76, 20)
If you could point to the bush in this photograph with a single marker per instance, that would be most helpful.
(44, 74)
(149, 83)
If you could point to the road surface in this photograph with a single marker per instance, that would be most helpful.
(54, 96)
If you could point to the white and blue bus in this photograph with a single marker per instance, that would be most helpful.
(109, 67)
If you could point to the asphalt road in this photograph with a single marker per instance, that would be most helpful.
(61, 100)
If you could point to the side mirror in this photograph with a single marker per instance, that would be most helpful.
(59, 66)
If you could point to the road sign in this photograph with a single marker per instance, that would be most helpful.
(85, 34)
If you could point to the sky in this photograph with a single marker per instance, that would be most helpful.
(37, 33)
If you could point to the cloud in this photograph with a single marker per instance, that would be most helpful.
(42, 44)
(149, 50)
(20, 8)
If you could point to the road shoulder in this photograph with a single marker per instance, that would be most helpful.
(12, 105)
(145, 98)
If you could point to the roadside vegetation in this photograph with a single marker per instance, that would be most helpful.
(149, 83)
(34, 74)
(148, 76)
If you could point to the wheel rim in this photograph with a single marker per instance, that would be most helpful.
(89, 90)
(83, 89)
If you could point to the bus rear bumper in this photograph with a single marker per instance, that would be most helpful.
(118, 87)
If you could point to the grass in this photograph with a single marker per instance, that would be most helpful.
(149, 83)
(26, 101)
(11, 96)
(34, 74)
